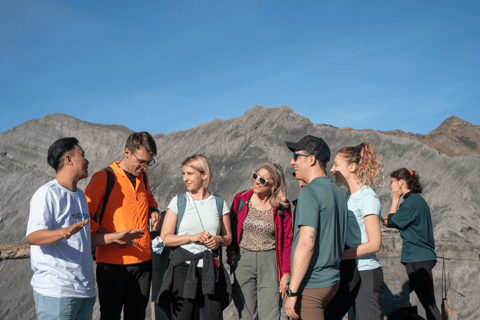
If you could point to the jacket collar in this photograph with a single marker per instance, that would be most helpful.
(405, 196)
(248, 194)
(116, 168)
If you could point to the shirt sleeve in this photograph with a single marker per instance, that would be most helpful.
(95, 191)
(371, 205)
(308, 210)
(390, 223)
(41, 212)
(225, 208)
(173, 205)
(404, 216)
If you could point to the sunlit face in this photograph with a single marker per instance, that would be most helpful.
(80, 164)
(193, 178)
(260, 188)
(341, 169)
(300, 165)
(136, 161)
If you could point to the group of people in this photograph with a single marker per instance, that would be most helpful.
(318, 256)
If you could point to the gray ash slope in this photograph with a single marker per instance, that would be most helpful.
(234, 147)
(454, 137)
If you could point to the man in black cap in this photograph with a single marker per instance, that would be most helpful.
(319, 232)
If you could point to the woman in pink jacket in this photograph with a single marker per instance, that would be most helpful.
(262, 242)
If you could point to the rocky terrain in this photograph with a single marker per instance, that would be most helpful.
(234, 148)
(454, 137)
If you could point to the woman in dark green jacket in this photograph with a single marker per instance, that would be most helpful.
(414, 221)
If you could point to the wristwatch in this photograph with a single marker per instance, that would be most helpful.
(221, 240)
(290, 293)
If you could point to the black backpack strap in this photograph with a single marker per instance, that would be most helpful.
(145, 180)
(110, 183)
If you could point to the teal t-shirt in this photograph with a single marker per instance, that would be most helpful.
(322, 205)
(415, 223)
(362, 203)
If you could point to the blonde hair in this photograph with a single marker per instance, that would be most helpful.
(369, 165)
(279, 192)
(199, 163)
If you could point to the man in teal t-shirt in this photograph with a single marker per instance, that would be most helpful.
(319, 232)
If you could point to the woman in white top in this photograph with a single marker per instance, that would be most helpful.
(359, 168)
(199, 235)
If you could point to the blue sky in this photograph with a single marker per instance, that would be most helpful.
(162, 66)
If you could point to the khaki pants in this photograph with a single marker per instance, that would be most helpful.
(311, 303)
(256, 274)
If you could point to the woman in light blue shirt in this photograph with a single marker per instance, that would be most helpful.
(359, 168)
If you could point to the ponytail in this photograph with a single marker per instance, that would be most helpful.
(369, 165)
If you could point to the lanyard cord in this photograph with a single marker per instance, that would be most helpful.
(199, 218)
(198, 213)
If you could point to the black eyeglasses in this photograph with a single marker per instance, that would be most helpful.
(262, 180)
(296, 154)
(144, 163)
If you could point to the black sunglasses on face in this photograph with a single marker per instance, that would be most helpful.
(296, 154)
(262, 180)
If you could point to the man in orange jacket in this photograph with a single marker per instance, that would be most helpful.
(124, 273)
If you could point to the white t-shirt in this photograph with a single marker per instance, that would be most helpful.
(190, 223)
(63, 269)
(362, 203)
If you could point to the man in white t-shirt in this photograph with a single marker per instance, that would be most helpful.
(63, 281)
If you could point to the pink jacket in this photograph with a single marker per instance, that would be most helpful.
(283, 227)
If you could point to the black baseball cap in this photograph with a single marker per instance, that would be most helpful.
(313, 145)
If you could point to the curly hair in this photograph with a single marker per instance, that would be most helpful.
(369, 164)
(410, 177)
(279, 192)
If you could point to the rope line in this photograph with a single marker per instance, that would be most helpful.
(458, 259)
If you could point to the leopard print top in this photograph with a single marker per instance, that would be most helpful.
(258, 230)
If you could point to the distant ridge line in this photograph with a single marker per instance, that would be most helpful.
(453, 137)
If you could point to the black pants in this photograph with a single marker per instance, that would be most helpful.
(420, 280)
(360, 289)
(203, 307)
(126, 286)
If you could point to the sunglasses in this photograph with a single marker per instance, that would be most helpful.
(262, 180)
(296, 154)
